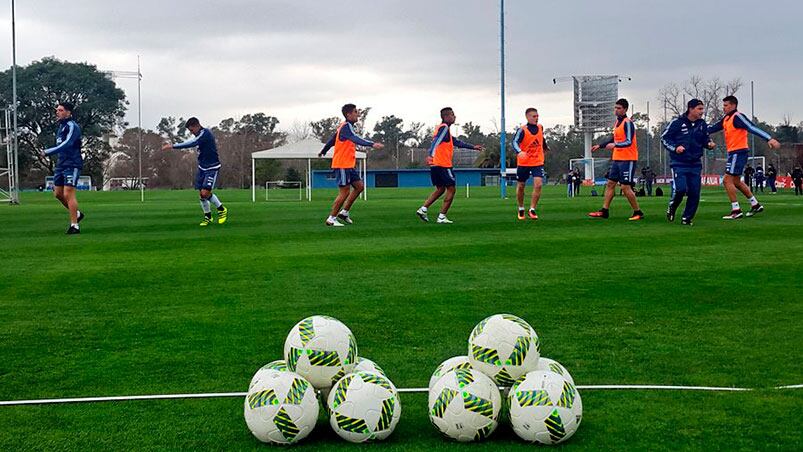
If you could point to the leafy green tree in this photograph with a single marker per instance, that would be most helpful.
(100, 108)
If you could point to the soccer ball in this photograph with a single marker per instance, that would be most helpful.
(366, 365)
(456, 362)
(504, 347)
(545, 407)
(320, 349)
(279, 364)
(550, 365)
(464, 405)
(364, 406)
(281, 407)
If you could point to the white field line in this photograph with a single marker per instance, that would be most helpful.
(212, 395)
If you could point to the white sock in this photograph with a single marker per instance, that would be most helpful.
(344, 212)
(735, 206)
(213, 199)
(75, 225)
(423, 209)
(205, 206)
(331, 219)
(753, 201)
(441, 215)
(521, 208)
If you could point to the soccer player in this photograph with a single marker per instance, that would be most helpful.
(736, 126)
(68, 167)
(440, 166)
(529, 144)
(623, 162)
(686, 139)
(344, 162)
(208, 169)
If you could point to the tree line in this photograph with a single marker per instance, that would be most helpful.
(111, 146)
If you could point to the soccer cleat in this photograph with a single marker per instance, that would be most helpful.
(686, 221)
(636, 216)
(599, 214)
(422, 214)
(520, 215)
(206, 221)
(73, 230)
(222, 214)
(758, 208)
(345, 218)
(334, 223)
(444, 220)
(80, 216)
(532, 214)
(670, 214)
(734, 215)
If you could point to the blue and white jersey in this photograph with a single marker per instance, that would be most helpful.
(68, 145)
(207, 149)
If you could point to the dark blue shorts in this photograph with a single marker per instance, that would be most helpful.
(441, 177)
(736, 163)
(346, 176)
(206, 179)
(523, 173)
(622, 171)
(66, 177)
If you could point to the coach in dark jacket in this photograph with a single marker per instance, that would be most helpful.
(686, 139)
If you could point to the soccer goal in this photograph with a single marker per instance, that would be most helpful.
(755, 162)
(124, 183)
(281, 190)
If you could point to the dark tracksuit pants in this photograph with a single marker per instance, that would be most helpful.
(686, 182)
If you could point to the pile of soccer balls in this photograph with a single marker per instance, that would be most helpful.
(320, 353)
(503, 351)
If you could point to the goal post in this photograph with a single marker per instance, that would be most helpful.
(280, 190)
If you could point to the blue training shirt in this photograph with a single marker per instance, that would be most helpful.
(207, 149)
(68, 145)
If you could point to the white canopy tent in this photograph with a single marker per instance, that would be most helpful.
(302, 150)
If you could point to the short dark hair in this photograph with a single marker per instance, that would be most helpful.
(192, 122)
(731, 99)
(348, 108)
(67, 106)
(623, 103)
(529, 110)
(445, 110)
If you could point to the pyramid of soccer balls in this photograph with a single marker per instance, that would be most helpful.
(503, 351)
(320, 353)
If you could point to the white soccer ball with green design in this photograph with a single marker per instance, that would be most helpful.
(545, 407)
(281, 407)
(455, 362)
(550, 365)
(504, 347)
(279, 364)
(320, 349)
(366, 365)
(464, 405)
(364, 406)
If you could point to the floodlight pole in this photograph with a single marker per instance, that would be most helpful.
(137, 75)
(752, 118)
(15, 190)
(502, 157)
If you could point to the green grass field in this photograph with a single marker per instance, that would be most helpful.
(146, 302)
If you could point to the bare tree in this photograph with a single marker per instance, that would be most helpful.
(711, 92)
(299, 131)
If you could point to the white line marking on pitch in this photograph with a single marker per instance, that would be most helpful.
(212, 395)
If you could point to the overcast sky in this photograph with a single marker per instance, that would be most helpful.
(300, 60)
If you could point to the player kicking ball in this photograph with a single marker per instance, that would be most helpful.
(529, 144)
(623, 162)
(344, 162)
(440, 166)
(208, 169)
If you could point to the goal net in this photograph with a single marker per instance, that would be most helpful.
(280, 190)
